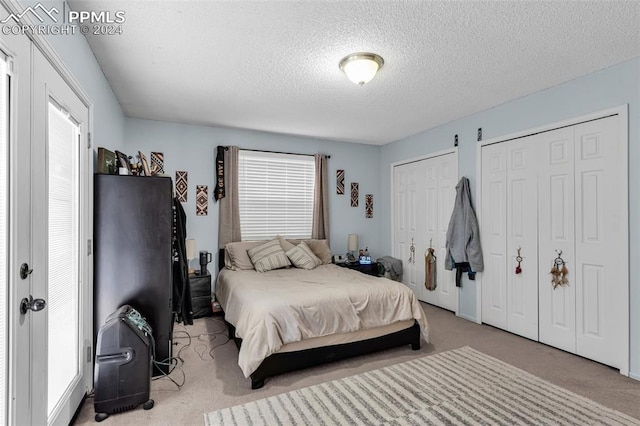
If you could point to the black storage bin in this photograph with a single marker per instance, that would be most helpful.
(122, 374)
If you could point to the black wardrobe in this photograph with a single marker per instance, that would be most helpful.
(135, 252)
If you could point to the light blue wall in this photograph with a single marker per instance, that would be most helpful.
(75, 53)
(192, 148)
(608, 88)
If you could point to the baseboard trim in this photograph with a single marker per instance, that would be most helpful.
(468, 318)
(634, 376)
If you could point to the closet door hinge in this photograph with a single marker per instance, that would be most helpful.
(89, 140)
(89, 357)
(89, 247)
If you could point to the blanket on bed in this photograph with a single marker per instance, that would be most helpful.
(274, 308)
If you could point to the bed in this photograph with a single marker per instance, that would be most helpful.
(292, 318)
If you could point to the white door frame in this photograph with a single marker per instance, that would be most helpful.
(622, 112)
(17, 359)
(440, 153)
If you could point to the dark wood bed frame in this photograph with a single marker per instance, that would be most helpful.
(285, 362)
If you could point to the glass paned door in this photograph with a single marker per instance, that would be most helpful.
(63, 263)
(4, 233)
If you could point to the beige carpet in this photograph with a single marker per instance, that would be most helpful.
(457, 387)
(214, 383)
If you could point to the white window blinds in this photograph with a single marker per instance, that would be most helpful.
(63, 275)
(275, 195)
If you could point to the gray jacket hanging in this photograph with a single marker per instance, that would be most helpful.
(463, 239)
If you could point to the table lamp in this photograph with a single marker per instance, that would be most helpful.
(352, 246)
(191, 253)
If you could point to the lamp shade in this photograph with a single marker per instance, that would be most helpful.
(191, 249)
(352, 244)
(361, 67)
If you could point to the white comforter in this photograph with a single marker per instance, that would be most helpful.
(283, 306)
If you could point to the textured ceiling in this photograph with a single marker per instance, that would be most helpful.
(273, 65)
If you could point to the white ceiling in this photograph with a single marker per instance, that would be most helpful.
(273, 65)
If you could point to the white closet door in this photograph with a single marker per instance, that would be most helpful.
(423, 201)
(447, 181)
(405, 223)
(440, 179)
(522, 233)
(601, 243)
(556, 228)
(493, 234)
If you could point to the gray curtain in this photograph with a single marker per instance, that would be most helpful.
(320, 227)
(229, 221)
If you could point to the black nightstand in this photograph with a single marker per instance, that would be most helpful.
(201, 295)
(365, 268)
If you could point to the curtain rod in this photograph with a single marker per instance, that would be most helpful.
(277, 152)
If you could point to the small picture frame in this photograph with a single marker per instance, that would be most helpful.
(123, 161)
(107, 162)
(145, 165)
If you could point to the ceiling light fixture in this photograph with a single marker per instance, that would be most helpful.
(361, 67)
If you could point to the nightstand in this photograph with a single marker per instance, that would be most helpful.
(201, 295)
(365, 268)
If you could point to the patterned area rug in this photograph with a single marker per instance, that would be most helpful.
(461, 386)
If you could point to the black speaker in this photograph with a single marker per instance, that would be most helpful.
(122, 372)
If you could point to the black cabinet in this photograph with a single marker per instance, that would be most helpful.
(133, 231)
(201, 295)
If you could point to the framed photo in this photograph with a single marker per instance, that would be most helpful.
(107, 163)
(123, 161)
(145, 165)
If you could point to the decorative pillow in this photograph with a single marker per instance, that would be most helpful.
(321, 249)
(268, 256)
(302, 257)
(236, 257)
(286, 244)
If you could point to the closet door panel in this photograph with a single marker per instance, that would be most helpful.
(494, 235)
(447, 181)
(556, 234)
(600, 240)
(522, 234)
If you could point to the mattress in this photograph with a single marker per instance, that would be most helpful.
(288, 309)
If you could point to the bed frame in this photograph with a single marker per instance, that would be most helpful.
(285, 362)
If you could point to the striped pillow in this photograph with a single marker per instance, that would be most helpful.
(302, 257)
(268, 256)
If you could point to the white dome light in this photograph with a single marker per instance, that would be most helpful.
(361, 67)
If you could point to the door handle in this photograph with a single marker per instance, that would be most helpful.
(32, 304)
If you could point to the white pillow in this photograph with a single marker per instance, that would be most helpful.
(269, 256)
(302, 257)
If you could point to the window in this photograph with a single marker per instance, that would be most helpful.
(275, 195)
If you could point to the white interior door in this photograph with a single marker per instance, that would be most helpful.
(493, 232)
(405, 230)
(60, 225)
(44, 219)
(522, 237)
(424, 194)
(556, 212)
(600, 269)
